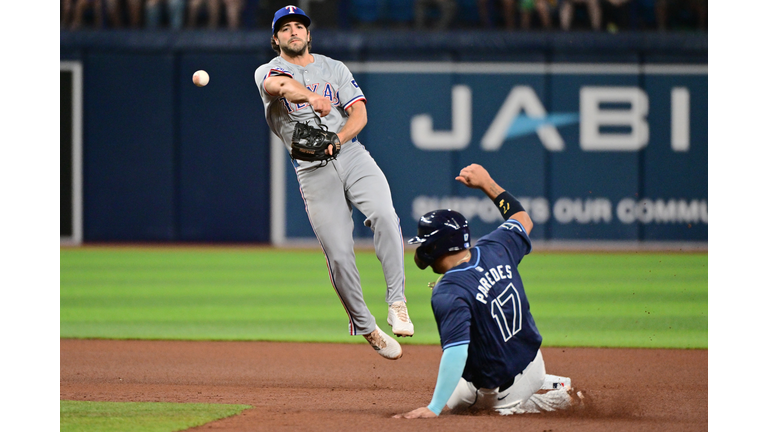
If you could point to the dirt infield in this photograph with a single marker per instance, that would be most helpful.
(347, 387)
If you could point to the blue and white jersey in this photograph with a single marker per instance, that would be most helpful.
(483, 303)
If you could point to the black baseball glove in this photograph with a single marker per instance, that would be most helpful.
(309, 143)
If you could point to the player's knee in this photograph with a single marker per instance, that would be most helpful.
(341, 251)
(383, 219)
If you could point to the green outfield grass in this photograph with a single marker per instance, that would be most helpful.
(140, 416)
(578, 299)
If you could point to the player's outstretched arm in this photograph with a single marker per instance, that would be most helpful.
(294, 92)
(357, 119)
(422, 412)
(477, 177)
(452, 365)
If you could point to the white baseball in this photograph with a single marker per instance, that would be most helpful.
(200, 78)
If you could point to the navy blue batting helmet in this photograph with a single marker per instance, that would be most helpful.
(440, 232)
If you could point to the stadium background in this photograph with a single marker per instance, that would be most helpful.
(156, 159)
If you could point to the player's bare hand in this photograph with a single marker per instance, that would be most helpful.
(321, 105)
(475, 176)
(329, 150)
(422, 412)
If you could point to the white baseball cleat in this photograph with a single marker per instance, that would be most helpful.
(398, 318)
(554, 382)
(384, 344)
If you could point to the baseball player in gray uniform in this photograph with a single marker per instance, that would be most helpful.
(299, 86)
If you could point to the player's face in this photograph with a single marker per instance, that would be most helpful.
(439, 266)
(436, 266)
(292, 37)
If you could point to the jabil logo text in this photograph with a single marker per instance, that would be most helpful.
(609, 118)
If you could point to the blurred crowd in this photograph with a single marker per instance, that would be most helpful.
(561, 15)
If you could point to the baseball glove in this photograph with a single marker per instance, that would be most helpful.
(309, 143)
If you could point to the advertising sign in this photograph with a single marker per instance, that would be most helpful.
(593, 152)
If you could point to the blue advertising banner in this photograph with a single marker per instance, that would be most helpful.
(608, 152)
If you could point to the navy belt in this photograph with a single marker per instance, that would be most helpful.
(354, 139)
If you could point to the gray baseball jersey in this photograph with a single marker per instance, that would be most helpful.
(328, 77)
(329, 192)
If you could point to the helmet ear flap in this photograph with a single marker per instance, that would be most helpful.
(423, 256)
(419, 262)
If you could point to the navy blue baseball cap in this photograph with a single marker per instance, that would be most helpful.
(289, 11)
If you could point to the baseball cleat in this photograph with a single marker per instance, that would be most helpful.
(398, 318)
(554, 382)
(384, 344)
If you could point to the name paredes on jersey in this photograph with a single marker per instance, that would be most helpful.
(489, 279)
(327, 91)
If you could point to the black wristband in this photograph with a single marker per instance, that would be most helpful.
(507, 204)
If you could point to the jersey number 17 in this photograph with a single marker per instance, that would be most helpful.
(516, 312)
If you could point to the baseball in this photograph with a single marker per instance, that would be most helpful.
(200, 78)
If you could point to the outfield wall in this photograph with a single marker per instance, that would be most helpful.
(603, 137)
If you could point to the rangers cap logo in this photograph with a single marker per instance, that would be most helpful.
(289, 11)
